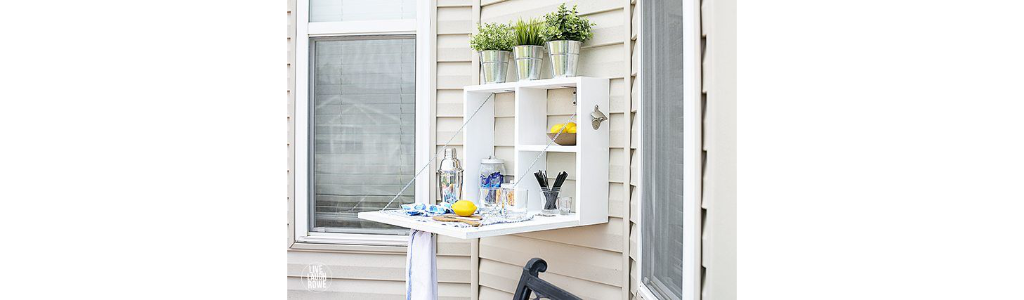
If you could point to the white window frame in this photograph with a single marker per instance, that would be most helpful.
(691, 154)
(422, 28)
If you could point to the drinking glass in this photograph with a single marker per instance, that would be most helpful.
(550, 204)
(514, 202)
(564, 205)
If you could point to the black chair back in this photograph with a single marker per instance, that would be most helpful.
(530, 282)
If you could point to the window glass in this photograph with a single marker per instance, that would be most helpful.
(662, 225)
(363, 130)
(360, 10)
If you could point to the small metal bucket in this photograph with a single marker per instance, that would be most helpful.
(494, 65)
(565, 58)
(529, 59)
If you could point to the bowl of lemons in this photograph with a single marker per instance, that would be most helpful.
(567, 137)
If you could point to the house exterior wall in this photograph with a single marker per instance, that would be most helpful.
(588, 261)
(596, 261)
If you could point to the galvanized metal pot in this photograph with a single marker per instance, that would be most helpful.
(494, 65)
(565, 57)
(529, 59)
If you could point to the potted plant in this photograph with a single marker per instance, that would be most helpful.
(494, 42)
(529, 50)
(565, 31)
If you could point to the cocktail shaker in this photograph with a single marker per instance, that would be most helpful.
(449, 177)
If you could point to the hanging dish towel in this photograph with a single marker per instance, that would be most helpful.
(421, 267)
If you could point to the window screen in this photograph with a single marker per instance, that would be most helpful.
(662, 184)
(363, 130)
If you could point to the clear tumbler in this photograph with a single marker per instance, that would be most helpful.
(514, 202)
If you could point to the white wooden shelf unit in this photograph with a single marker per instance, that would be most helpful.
(590, 171)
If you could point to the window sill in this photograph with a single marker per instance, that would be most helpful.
(350, 242)
(322, 247)
(645, 293)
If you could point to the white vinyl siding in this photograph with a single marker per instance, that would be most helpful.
(719, 199)
(591, 261)
(588, 261)
(453, 70)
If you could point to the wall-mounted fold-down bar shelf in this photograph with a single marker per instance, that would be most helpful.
(586, 162)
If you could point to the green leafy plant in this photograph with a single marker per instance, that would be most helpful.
(566, 25)
(528, 32)
(492, 36)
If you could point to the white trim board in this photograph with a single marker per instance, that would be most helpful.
(692, 137)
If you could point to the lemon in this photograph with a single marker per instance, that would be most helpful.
(557, 128)
(464, 208)
(568, 127)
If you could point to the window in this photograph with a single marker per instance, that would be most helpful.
(364, 128)
(361, 10)
(668, 143)
(361, 117)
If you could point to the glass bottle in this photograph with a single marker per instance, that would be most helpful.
(491, 170)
